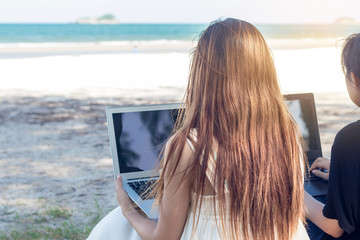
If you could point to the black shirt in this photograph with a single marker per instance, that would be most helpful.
(343, 198)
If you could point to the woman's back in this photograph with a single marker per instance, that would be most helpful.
(233, 99)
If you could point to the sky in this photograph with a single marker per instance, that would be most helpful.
(179, 11)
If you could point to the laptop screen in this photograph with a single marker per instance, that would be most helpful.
(140, 136)
(302, 108)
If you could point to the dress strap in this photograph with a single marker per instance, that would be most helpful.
(210, 171)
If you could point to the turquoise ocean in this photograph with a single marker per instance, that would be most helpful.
(64, 33)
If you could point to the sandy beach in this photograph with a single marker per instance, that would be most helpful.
(54, 139)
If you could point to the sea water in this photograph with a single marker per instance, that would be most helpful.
(125, 33)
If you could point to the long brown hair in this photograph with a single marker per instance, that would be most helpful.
(233, 100)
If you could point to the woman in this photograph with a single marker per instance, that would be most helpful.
(233, 168)
(340, 216)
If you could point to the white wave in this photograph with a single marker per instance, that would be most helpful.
(92, 44)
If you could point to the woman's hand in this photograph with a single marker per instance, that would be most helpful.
(122, 197)
(321, 168)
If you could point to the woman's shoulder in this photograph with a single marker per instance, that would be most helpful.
(346, 147)
(348, 135)
(186, 151)
(351, 126)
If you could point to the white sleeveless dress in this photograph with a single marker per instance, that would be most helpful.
(115, 226)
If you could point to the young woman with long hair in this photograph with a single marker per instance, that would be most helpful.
(233, 169)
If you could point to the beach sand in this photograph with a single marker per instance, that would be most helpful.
(54, 139)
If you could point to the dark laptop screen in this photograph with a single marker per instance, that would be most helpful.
(302, 108)
(140, 137)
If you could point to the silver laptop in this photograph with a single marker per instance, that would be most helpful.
(137, 135)
(302, 108)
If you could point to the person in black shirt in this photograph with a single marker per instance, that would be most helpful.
(340, 216)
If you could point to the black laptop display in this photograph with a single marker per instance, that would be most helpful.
(140, 136)
(302, 108)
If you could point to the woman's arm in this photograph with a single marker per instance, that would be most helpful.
(314, 213)
(173, 209)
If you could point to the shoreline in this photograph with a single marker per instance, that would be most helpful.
(27, 50)
(45, 49)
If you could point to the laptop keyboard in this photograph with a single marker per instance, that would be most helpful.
(311, 177)
(144, 188)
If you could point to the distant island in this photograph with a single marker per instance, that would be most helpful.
(105, 19)
(346, 20)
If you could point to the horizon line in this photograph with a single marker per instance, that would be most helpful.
(202, 23)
